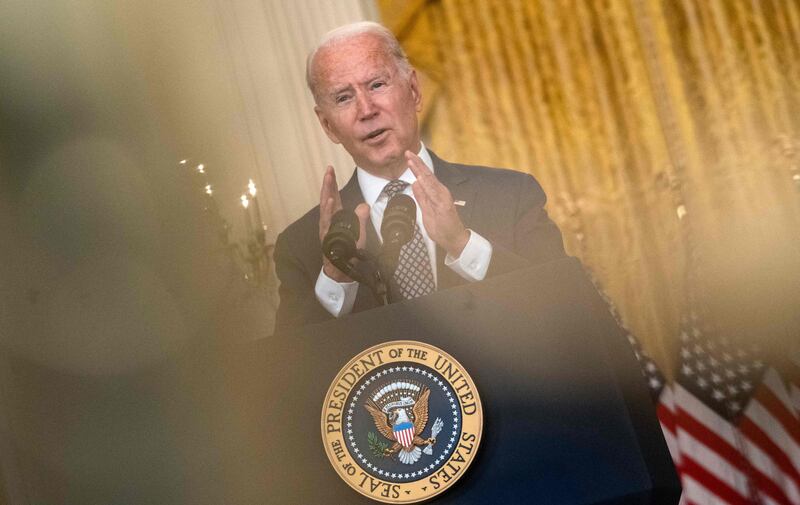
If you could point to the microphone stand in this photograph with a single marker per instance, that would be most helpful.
(387, 264)
(365, 271)
(368, 268)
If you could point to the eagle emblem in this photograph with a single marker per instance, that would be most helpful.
(383, 414)
(400, 412)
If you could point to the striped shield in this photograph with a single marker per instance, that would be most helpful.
(404, 433)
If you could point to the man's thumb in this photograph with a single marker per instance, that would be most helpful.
(362, 211)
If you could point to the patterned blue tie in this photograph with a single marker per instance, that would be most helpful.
(414, 275)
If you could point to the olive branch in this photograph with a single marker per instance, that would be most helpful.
(376, 446)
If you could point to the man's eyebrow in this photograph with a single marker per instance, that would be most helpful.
(348, 87)
(379, 75)
(340, 89)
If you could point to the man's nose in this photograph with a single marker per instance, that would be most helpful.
(366, 106)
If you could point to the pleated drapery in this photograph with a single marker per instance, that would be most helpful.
(661, 130)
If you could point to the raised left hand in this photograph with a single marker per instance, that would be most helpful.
(439, 213)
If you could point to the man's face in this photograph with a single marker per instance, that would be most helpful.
(365, 103)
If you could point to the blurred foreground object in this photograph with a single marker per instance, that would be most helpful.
(110, 266)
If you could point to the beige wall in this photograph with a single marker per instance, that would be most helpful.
(233, 93)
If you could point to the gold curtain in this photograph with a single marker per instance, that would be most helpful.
(660, 130)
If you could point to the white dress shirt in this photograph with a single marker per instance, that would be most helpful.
(338, 297)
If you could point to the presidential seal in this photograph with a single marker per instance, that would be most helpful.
(402, 422)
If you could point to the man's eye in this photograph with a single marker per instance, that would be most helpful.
(378, 84)
(341, 98)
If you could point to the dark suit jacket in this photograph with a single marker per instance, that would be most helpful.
(504, 206)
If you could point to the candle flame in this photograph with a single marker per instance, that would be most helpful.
(209, 191)
(245, 201)
(201, 168)
(251, 187)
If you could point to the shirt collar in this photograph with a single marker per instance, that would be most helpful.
(372, 185)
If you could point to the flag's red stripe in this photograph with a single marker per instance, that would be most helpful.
(723, 449)
(759, 438)
(769, 487)
(762, 481)
(666, 416)
(767, 398)
(713, 441)
(711, 482)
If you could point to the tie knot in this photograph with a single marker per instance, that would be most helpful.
(394, 187)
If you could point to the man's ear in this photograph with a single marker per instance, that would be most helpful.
(326, 125)
(416, 92)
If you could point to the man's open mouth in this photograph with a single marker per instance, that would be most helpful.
(375, 133)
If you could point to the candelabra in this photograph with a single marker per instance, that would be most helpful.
(250, 257)
(258, 257)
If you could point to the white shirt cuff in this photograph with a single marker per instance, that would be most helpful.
(474, 260)
(336, 297)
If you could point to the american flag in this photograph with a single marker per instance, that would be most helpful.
(729, 420)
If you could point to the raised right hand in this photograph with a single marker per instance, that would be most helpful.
(329, 202)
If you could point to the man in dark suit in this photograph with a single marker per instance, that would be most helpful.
(472, 221)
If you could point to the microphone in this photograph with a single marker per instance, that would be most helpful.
(339, 244)
(397, 228)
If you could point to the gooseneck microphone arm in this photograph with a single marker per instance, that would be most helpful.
(367, 271)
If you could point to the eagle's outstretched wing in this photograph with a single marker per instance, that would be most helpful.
(381, 422)
(420, 411)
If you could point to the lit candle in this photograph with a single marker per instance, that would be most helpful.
(198, 174)
(210, 203)
(251, 187)
(248, 223)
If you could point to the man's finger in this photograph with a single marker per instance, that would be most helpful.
(325, 214)
(422, 197)
(328, 208)
(417, 166)
(329, 200)
(423, 175)
(362, 212)
(434, 189)
(330, 189)
(325, 188)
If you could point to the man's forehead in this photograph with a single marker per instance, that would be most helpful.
(352, 60)
(368, 42)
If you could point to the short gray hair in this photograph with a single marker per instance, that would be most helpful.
(345, 32)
